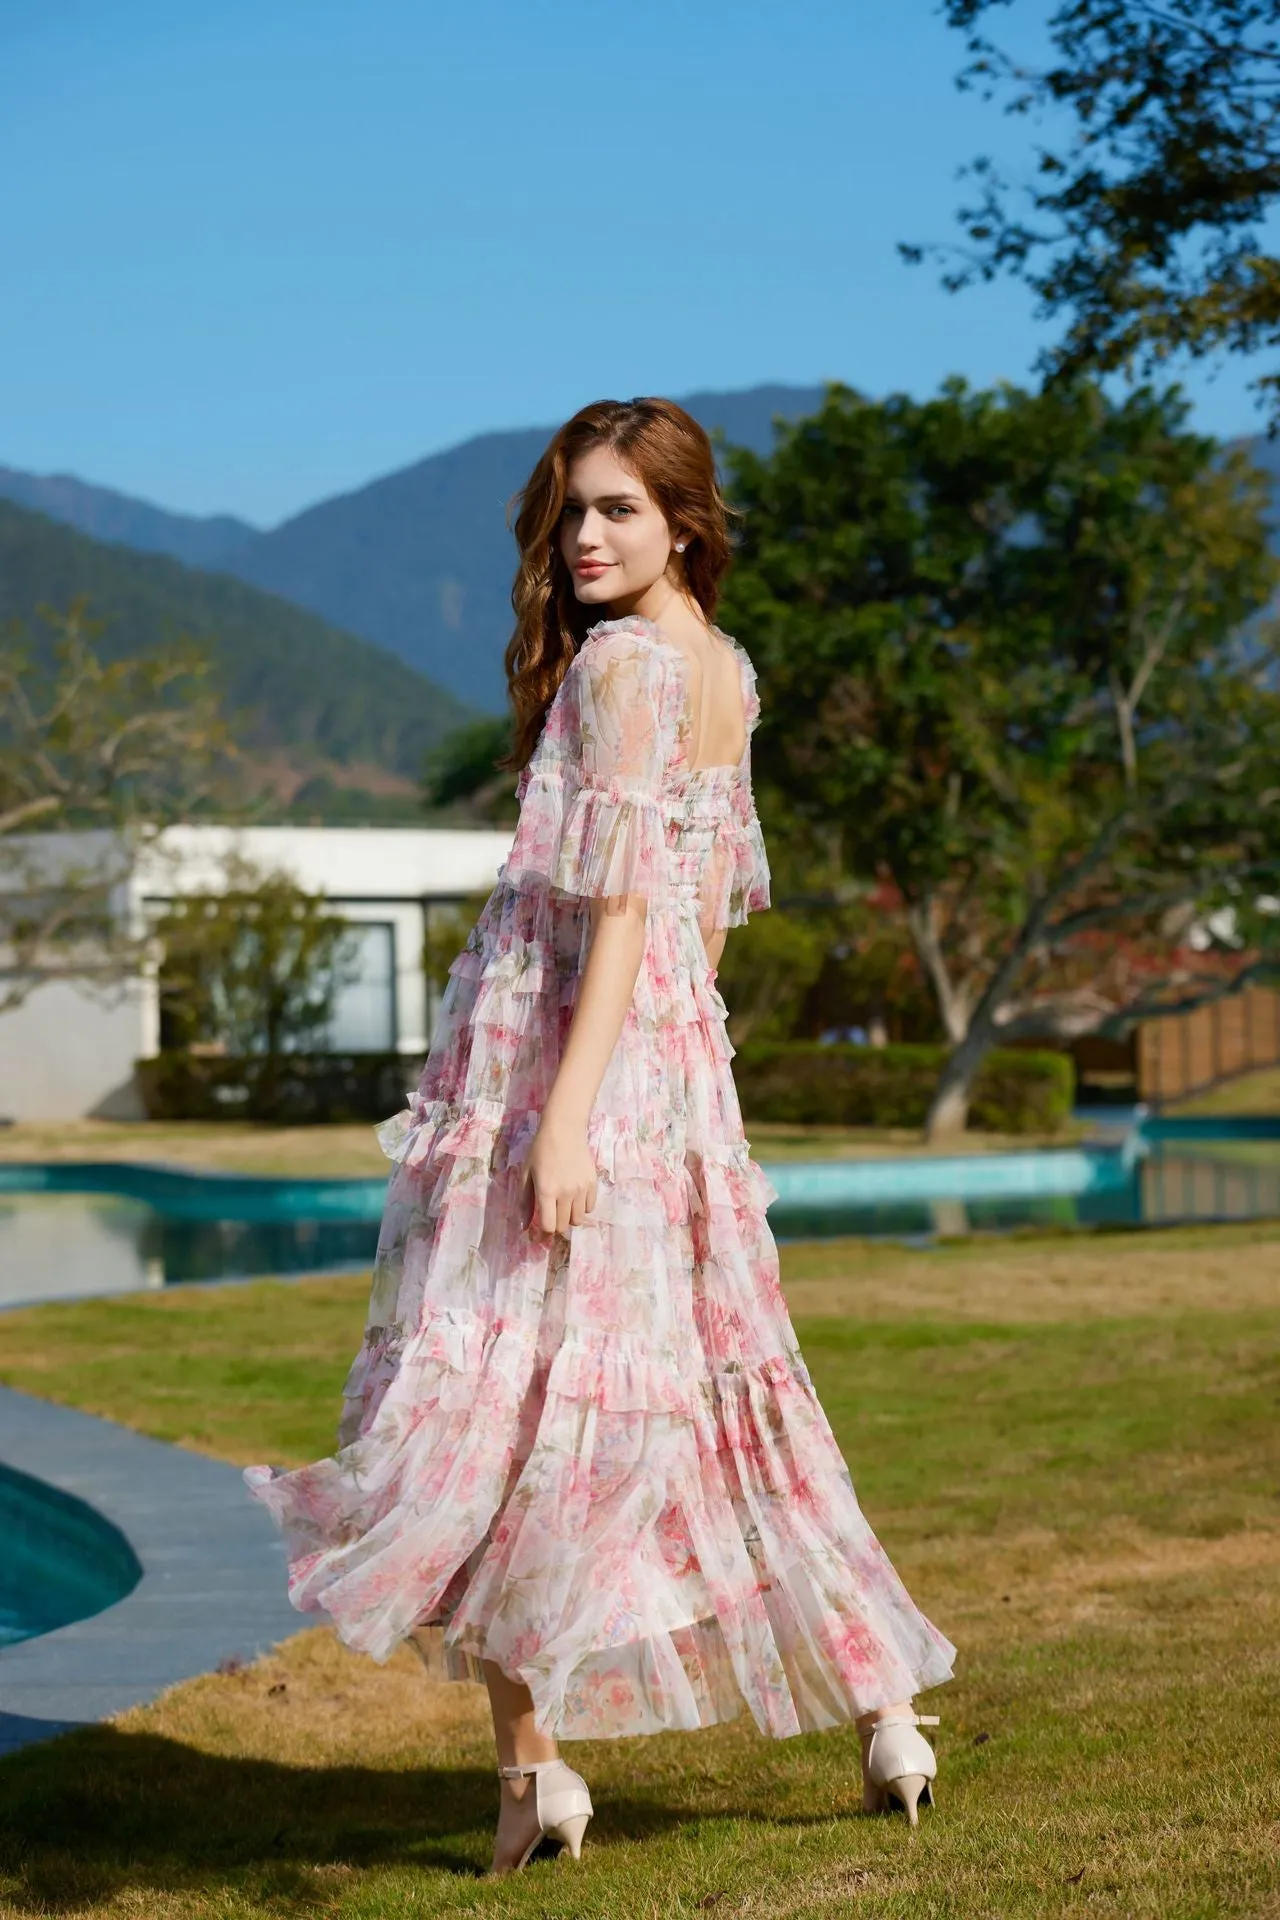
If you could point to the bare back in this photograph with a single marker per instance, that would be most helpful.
(718, 723)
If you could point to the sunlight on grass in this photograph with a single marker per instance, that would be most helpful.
(1257, 1092)
(350, 1151)
(1067, 1447)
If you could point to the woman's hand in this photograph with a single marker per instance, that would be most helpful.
(561, 1169)
(563, 1176)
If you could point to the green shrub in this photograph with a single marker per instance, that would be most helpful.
(811, 1085)
(294, 1089)
(767, 968)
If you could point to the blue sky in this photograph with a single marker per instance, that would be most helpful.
(261, 251)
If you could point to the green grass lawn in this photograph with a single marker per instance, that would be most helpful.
(1257, 1092)
(1069, 1450)
(351, 1149)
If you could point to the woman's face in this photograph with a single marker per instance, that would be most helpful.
(613, 537)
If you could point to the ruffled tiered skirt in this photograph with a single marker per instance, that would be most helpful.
(596, 1460)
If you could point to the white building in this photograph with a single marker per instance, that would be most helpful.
(68, 1053)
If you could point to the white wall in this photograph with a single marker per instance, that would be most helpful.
(369, 873)
(347, 863)
(65, 1054)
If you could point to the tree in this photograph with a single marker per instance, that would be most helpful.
(95, 759)
(1144, 231)
(1000, 636)
(870, 977)
(445, 935)
(253, 967)
(767, 968)
(465, 770)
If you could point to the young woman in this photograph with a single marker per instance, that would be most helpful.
(581, 1456)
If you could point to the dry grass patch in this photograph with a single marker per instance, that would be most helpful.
(1257, 1092)
(777, 1140)
(229, 1369)
(1067, 1447)
(336, 1152)
(1036, 1584)
(1116, 1275)
(302, 1704)
(1112, 1765)
(351, 1150)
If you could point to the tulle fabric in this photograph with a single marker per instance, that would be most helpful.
(590, 841)
(598, 1460)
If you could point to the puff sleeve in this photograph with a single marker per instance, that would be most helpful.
(735, 880)
(591, 815)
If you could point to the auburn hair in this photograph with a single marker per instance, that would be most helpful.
(670, 454)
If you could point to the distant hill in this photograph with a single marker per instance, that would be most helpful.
(422, 562)
(106, 515)
(419, 562)
(318, 701)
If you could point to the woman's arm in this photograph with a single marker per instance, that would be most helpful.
(561, 1169)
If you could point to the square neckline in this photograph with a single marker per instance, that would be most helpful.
(652, 632)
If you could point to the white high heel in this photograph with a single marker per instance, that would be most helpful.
(562, 1802)
(899, 1764)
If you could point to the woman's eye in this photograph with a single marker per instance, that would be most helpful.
(571, 507)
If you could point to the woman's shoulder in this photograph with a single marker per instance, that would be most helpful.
(620, 659)
(615, 664)
(628, 637)
(635, 636)
(631, 656)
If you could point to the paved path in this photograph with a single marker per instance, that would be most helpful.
(213, 1572)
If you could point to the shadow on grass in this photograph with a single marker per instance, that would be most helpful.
(100, 1814)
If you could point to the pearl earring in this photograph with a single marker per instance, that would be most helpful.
(680, 546)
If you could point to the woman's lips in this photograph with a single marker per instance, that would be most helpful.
(588, 569)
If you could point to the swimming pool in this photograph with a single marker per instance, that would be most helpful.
(61, 1562)
(76, 1228)
(79, 1228)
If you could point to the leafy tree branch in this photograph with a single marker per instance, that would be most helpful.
(1143, 224)
(95, 759)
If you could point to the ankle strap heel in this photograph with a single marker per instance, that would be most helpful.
(562, 1801)
(899, 1765)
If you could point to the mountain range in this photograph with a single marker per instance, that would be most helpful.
(355, 635)
(419, 562)
(97, 511)
(312, 705)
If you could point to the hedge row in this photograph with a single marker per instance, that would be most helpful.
(294, 1089)
(798, 1081)
(809, 1084)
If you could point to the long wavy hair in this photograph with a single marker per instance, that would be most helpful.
(671, 455)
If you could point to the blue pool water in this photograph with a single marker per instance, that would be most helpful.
(61, 1561)
(92, 1228)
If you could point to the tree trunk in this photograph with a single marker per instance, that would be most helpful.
(949, 1109)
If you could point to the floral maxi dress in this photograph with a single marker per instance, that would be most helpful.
(597, 1459)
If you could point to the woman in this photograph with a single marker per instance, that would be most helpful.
(581, 1456)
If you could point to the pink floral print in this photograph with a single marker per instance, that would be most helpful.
(597, 1459)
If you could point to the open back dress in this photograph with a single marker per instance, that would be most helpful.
(597, 1459)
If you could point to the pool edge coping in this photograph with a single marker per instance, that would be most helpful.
(213, 1585)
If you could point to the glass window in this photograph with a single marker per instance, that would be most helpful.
(364, 1012)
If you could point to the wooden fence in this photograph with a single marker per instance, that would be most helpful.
(1183, 1053)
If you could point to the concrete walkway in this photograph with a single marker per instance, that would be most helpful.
(213, 1572)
